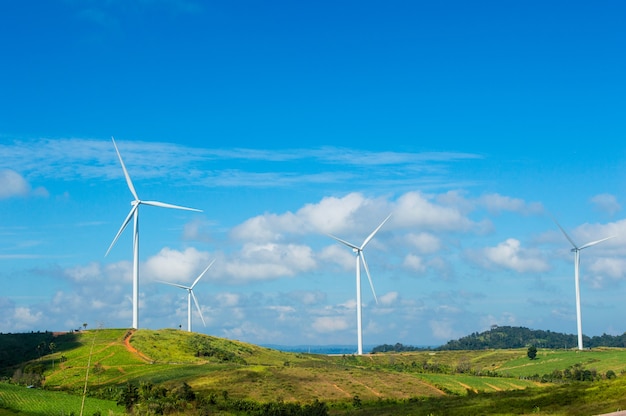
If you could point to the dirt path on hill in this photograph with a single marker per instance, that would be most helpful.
(134, 350)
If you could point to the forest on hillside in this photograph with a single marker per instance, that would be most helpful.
(506, 337)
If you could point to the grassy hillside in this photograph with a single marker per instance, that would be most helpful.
(388, 383)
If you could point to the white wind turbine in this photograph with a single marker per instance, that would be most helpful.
(191, 295)
(576, 251)
(361, 257)
(134, 214)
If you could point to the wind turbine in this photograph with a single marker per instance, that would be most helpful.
(576, 251)
(360, 257)
(191, 295)
(134, 213)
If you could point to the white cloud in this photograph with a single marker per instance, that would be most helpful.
(414, 209)
(606, 203)
(326, 324)
(414, 263)
(389, 298)
(270, 261)
(251, 330)
(176, 266)
(339, 215)
(615, 268)
(90, 272)
(424, 242)
(510, 255)
(496, 203)
(308, 297)
(284, 312)
(442, 329)
(330, 215)
(12, 184)
(24, 317)
(228, 300)
(268, 227)
(339, 255)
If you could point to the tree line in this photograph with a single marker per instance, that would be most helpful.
(508, 337)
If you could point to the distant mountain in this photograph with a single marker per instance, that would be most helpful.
(506, 337)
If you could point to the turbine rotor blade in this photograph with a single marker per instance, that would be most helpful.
(197, 306)
(202, 274)
(174, 284)
(344, 242)
(124, 224)
(369, 277)
(128, 181)
(593, 243)
(565, 234)
(367, 240)
(164, 205)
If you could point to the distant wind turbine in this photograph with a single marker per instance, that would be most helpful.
(134, 214)
(191, 295)
(358, 250)
(576, 251)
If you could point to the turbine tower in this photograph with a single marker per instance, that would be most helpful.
(191, 295)
(134, 213)
(360, 257)
(576, 251)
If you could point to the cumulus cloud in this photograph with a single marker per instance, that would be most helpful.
(414, 263)
(325, 324)
(606, 267)
(497, 203)
(414, 209)
(510, 255)
(389, 298)
(330, 215)
(338, 255)
(176, 266)
(12, 184)
(442, 329)
(424, 242)
(606, 203)
(270, 261)
(228, 299)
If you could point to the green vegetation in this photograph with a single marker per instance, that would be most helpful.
(507, 337)
(21, 400)
(177, 372)
(501, 337)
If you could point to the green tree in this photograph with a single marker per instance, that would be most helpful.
(52, 347)
(532, 352)
(129, 397)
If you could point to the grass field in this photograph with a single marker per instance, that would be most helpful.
(389, 383)
(15, 400)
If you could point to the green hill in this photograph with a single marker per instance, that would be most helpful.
(166, 366)
(504, 337)
(519, 337)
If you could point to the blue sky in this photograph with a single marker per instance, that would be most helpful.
(471, 123)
